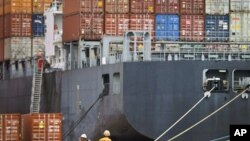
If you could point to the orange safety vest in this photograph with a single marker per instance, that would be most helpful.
(105, 139)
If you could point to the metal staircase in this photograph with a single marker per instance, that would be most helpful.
(36, 89)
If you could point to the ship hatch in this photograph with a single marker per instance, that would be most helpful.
(215, 78)
(240, 80)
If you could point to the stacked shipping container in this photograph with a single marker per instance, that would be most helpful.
(20, 25)
(10, 127)
(116, 17)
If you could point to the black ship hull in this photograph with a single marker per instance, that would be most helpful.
(135, 101)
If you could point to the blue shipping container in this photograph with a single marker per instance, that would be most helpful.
(217, 27)
(38, 25)
(167, 27)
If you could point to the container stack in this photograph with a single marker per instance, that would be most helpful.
(142, 15)
(167, 20)
(192, 20)
(116, 17)
(10, 127)
(239, 23)
(41, 126)
(217, 23)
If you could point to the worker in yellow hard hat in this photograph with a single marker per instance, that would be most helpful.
(106, 134)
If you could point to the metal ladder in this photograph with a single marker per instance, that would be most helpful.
(36, 89)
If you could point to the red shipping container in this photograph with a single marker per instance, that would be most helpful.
(141, 22)
(88, 6)
(116, 24)
(1, 27)
(1, 51)
(71, 28)
(47, 127)
(10, 127)
(91, 26)
(167, 6)
(192, 7)
(142, 6)
(17, 25)
(192, 27)
(117, 6)
(70, 7)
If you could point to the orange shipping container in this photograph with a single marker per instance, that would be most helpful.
(1, 27)
(71, 27)
(70, 7)
(88, 6)
(1, 52)
(116, 24)
(91, 26)
(17, 6)
(40, 6)
(192, 6)
(41, 126)
(17, 25)
(117, 6)
(142, 22)
(192, 27)
(142, 6)
(10, 127)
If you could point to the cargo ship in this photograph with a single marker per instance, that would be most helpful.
(136, 67)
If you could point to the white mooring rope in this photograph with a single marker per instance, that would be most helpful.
(184, 115)
(207, 116)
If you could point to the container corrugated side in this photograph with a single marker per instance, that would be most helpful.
(70, 7)
(167, 27)
(38, 25)
(91, 26)
(17, 48)
(1, 8)
(1, 50)
(42, 127)
(240, 5)
(142, 22)
(117, 6)
(192, 27)
(217, 27)
(116, 24)
(38, 43)
(142, 6)
(18, 6)
(71, 27)
(88, 6)
(239, 26)
(26, 6)
(217, 7)
(10, 127)
(17, 25)
(167, 6)
(1, 27)
(192, 6)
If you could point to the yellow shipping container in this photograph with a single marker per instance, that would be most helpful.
(40, 6)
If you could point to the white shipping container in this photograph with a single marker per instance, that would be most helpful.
(239, 27)
(38, 43)
(220, 7)
(17, 48)
(240, 5)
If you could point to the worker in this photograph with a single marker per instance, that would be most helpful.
(83, 137)
(39, 59)
(106, 134)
